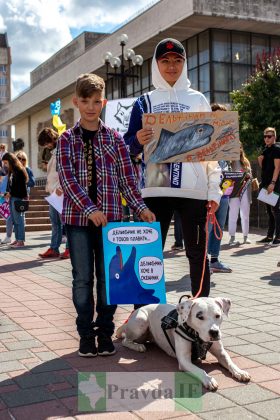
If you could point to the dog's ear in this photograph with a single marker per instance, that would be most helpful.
(183, 309)
(224, 303)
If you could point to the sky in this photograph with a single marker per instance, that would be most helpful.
(37, 29)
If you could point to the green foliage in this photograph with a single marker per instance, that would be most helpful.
(258, 103)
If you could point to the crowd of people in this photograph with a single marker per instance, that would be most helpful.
(91, 166)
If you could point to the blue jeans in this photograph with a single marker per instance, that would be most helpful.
(56, 228)
(214, 244)
(86, 253)
(9, 227)
(18, 220)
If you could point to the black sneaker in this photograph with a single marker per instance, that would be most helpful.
(87, 347)
(265, 240)
(176, 247)
(275, 242)
(105, 345)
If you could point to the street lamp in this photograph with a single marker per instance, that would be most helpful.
(119, 63)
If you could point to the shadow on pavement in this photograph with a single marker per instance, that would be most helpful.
(50, 389)
(25, 265)
(250, 251)
(274, 278)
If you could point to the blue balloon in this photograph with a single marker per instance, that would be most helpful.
(55, 107)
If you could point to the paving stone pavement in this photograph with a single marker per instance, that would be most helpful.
(38, 339)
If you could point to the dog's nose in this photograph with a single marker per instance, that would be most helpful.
(214, 333)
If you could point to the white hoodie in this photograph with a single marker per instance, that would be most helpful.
(199, 180)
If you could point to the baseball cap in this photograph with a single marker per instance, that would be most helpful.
(170, 45)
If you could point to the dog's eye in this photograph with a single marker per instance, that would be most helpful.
(218, 316)
(201, 317)
(117, 276)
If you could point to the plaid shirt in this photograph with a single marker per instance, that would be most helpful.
(114, 174)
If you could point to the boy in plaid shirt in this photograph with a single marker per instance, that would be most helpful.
(94, 167)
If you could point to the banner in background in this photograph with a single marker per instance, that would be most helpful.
(117, 114)
(234, 183)
(133, 263)
(4, 208)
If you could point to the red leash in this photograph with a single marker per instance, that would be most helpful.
(210, 218)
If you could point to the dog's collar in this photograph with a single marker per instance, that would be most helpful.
(199, 347)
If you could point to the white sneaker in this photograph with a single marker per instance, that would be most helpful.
(246, 240)
(233, 242)
(7, 240)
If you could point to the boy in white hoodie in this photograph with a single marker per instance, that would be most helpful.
(199, 182)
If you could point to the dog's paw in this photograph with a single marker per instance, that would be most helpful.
(210, 383)
(133, 346)
(141, 348)
(241, 375)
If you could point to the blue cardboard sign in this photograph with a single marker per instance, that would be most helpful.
(133, 262)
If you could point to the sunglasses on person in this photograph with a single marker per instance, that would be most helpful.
(268, 136)
(21, 159)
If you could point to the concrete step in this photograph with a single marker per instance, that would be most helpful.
(36, 220)
(30, 228)
(36, 201)
(37, 217)
(37, 193)
(35, 213)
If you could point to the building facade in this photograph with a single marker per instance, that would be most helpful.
(219, 61)
(222, 40)
(5, 86)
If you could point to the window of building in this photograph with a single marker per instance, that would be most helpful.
(239, 75)
(274, 43)
(260, 44)
(3, 68)
(203, 47)
(3, 133)
(221, 48)
(3, 93)
(241, 48)
(192, 52)
(221, 97)
(146, 68)
(193, 76)
(204, 78)
(221, 76)
(3, 81)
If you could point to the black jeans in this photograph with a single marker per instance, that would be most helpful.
(193, 218)
(273, 220)
(86, 251)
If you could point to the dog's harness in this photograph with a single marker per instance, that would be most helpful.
(199, 347)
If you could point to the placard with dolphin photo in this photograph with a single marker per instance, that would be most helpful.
(192, 137)
(133, 262)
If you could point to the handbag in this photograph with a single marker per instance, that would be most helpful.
(255, 184)
(21, 205)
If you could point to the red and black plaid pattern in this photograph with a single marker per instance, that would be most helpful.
(114, 175)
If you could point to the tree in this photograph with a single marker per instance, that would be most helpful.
(258, 102)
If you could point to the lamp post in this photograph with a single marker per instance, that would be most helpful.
(119, 64)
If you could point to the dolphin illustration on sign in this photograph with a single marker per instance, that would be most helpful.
(191, 137)
(124, 285)
(172, 144)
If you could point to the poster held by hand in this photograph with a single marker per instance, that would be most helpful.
(133, 262)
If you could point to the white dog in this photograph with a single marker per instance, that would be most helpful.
(197, 328)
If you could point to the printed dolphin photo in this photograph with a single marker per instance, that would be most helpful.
(124, 284)
(183, 141)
